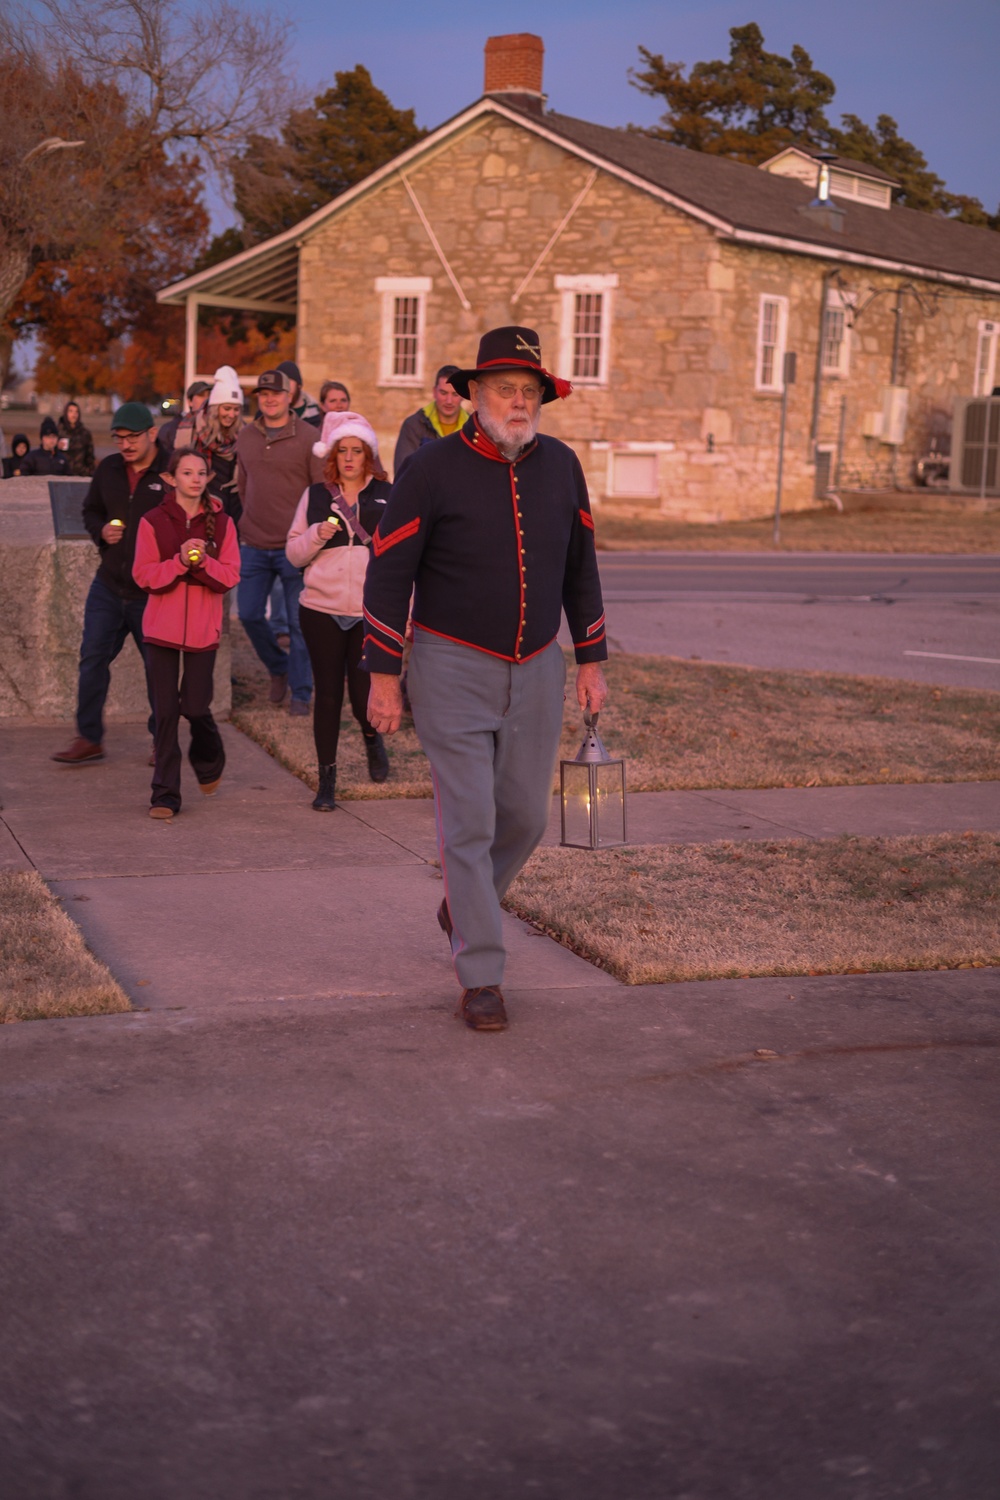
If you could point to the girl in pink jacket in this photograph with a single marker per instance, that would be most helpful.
(187, 557)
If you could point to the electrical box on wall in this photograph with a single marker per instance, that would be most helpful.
(871, 424)
(895, 402)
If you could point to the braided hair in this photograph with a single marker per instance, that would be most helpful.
(173, 464)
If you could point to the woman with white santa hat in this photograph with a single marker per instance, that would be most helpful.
(213, 432)
(330, 539)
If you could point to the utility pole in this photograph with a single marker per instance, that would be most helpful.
(788, 378)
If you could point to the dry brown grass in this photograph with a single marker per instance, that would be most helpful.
(683, 724)
(46, 969)
(693, 724)
(810, 531)
(651, 915)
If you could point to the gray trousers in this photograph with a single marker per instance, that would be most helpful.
(490, 730)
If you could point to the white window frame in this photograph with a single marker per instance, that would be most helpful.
(389, 288)
(984, 374)
(775, 378)
(569, 288)
(838, 303)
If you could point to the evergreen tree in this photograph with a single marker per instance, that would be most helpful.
(351, 130)
(748, 107)
(756, 103)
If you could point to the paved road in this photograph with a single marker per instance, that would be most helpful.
(926, 619)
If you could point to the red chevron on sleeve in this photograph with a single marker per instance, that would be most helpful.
(587, 519)
(383, 543)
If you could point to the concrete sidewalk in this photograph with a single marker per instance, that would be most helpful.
(294, 1232)
(248, 895)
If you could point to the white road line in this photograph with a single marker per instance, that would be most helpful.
(992, 661)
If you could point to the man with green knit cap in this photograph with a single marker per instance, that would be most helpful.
(125, 486)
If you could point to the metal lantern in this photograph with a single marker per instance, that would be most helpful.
(592, 795)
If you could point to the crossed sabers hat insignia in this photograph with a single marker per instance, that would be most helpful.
(535, 350)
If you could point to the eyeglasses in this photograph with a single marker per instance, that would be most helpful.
(508, 392)
(129, 437)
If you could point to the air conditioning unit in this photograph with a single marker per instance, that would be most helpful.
(895, 401)
(975, 446)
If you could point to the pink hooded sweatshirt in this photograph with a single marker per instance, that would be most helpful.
(184, 608)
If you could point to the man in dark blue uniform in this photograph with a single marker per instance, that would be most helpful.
(491, 530)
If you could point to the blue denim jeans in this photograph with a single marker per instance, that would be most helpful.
(108, 621)
(259, 567)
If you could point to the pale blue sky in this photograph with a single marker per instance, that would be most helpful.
(929, 63)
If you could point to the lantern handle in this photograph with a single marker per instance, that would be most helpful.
(590, 719)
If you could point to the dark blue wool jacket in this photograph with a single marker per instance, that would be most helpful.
(492, 550)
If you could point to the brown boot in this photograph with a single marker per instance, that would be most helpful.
(482, 1009)
(279, 687)
(79, 752)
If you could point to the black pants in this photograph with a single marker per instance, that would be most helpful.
(334, 654)
(192, 698)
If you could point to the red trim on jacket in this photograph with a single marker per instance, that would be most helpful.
(587, 519)
(393, 635)
(387, 649)
(382, 544)
(471, 646)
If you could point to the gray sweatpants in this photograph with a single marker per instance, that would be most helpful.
(490, 730)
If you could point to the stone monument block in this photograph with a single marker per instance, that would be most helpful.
(47, 563)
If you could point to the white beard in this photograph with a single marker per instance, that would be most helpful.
(510, 436)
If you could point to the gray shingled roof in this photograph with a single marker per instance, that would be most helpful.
(762, 202)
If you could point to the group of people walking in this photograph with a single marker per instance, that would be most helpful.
(214, 501)
(441, 557)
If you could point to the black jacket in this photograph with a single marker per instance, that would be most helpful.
(493, 550)
(12, 461)
(80, 452)
(414, 433)
(107, 500)
(40, 462)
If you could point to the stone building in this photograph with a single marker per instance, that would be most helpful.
(668, 285)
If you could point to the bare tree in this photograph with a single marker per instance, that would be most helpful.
(206, 78)
(134, 81)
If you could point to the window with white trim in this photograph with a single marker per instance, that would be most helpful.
(772, 325)
(985, 376)
(404, 316)
(585, 327)
(836, 334)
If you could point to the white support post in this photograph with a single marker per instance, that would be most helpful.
(190, 342)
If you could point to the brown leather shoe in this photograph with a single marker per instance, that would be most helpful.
(444, 919)
(482, 1009)
(279, 687)
(163, 814)
(79, 752)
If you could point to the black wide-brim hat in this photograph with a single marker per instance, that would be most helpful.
(511, 349)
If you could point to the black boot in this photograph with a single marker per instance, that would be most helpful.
(323, 801)
(378, 760)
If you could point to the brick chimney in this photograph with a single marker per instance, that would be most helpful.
(514, 68)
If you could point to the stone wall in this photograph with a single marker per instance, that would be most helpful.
(43, 589)
(683, 333)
